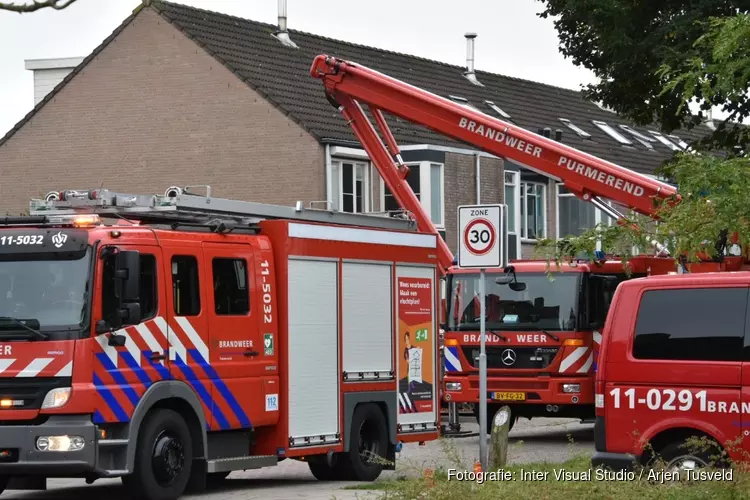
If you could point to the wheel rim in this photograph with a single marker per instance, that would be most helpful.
(168, 458)
(369, 445)
(686, 463)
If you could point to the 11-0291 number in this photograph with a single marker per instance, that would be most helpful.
(664, 399)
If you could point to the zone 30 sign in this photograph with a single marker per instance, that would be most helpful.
(481, 236)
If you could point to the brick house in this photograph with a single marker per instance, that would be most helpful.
(183, 96)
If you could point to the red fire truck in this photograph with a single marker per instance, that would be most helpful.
(197, 336)
(543, 336)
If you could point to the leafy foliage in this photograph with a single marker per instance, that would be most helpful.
(713, 202)
(651, 56)
(36, 5)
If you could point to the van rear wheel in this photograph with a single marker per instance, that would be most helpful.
(679, 456)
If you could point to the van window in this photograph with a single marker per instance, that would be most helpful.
(703, 324)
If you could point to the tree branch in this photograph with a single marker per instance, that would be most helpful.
(37, 5)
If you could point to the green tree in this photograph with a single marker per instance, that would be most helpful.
(36, 5)
(638, 49)
(713, 178)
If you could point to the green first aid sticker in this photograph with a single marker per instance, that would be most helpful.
(268, 344)
(421, 335)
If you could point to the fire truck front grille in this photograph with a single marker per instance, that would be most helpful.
(529, 358)
(30, 391)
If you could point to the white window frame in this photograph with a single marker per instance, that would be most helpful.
(516, 202)
(522, 204)
(425, 195)
(337, 198)
(599, 216)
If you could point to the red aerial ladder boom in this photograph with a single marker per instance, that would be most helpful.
(348, 84)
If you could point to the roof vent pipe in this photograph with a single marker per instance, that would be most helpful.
(469, 73)
(282, 34)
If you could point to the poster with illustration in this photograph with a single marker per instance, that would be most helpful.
(415, 316)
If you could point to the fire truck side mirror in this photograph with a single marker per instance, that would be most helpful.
(128, 276)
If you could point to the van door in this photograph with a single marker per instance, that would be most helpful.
(237, 364)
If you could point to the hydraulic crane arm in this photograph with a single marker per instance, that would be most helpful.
(590, 178)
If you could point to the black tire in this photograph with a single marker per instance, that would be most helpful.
(214, 479)
(3, 483)
(368, 443)
(324, 472)
(163, 458)
(675, 453)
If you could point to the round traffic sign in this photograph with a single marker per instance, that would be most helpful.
(479, 236)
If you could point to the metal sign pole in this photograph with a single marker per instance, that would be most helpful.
(482, 376)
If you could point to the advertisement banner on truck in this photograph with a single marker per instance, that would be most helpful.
(416, 384)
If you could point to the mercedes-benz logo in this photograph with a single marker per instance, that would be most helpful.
(508, 357)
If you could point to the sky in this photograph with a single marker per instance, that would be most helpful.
(512, 39)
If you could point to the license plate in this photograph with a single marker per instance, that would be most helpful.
(509, 396)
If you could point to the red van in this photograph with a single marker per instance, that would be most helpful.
(674, 363)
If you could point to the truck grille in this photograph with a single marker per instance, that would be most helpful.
(528, 358)
(29, 390)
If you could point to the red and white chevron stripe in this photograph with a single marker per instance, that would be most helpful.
(49, 367)
(578, 360)
(155, 335)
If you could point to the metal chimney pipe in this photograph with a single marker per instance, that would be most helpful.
(282, 34)
(469, 73)
(469, 52)
(282, 16)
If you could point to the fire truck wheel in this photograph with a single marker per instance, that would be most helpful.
(368, 444)
(216, 478)
(324, 472)
(163, 458)
(3, 483)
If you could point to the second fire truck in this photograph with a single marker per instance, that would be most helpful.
(543, 336)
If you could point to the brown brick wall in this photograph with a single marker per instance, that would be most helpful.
(153, 110)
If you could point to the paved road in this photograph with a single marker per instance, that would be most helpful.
(552, 440)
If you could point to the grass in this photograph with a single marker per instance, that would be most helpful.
(546, 481)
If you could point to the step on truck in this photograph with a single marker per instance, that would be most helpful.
(171, 339)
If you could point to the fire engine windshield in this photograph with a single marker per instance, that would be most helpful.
(544, 304)
(48, 293)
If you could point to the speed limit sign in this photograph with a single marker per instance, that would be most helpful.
(482, 236)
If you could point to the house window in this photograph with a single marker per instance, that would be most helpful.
(350, 186)
(426, 180)
(575, 216)
(533, 211)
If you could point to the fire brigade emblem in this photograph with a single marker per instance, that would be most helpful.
(508, 357)
(59, 239)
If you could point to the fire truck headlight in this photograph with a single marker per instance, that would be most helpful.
(56, 398)
(571, 388)
(60, 443)
(453, 386)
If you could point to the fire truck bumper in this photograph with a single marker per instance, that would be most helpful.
(563, 391)
(64, 445)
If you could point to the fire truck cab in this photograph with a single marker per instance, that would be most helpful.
(674, 368)
(196, 336)
(540, 348)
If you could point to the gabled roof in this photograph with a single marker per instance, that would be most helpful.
(281, 74)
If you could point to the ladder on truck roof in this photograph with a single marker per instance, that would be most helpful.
(181, 207)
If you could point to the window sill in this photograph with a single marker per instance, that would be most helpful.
(529, 240)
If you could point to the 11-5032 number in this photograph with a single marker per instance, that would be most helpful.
(26, 239)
